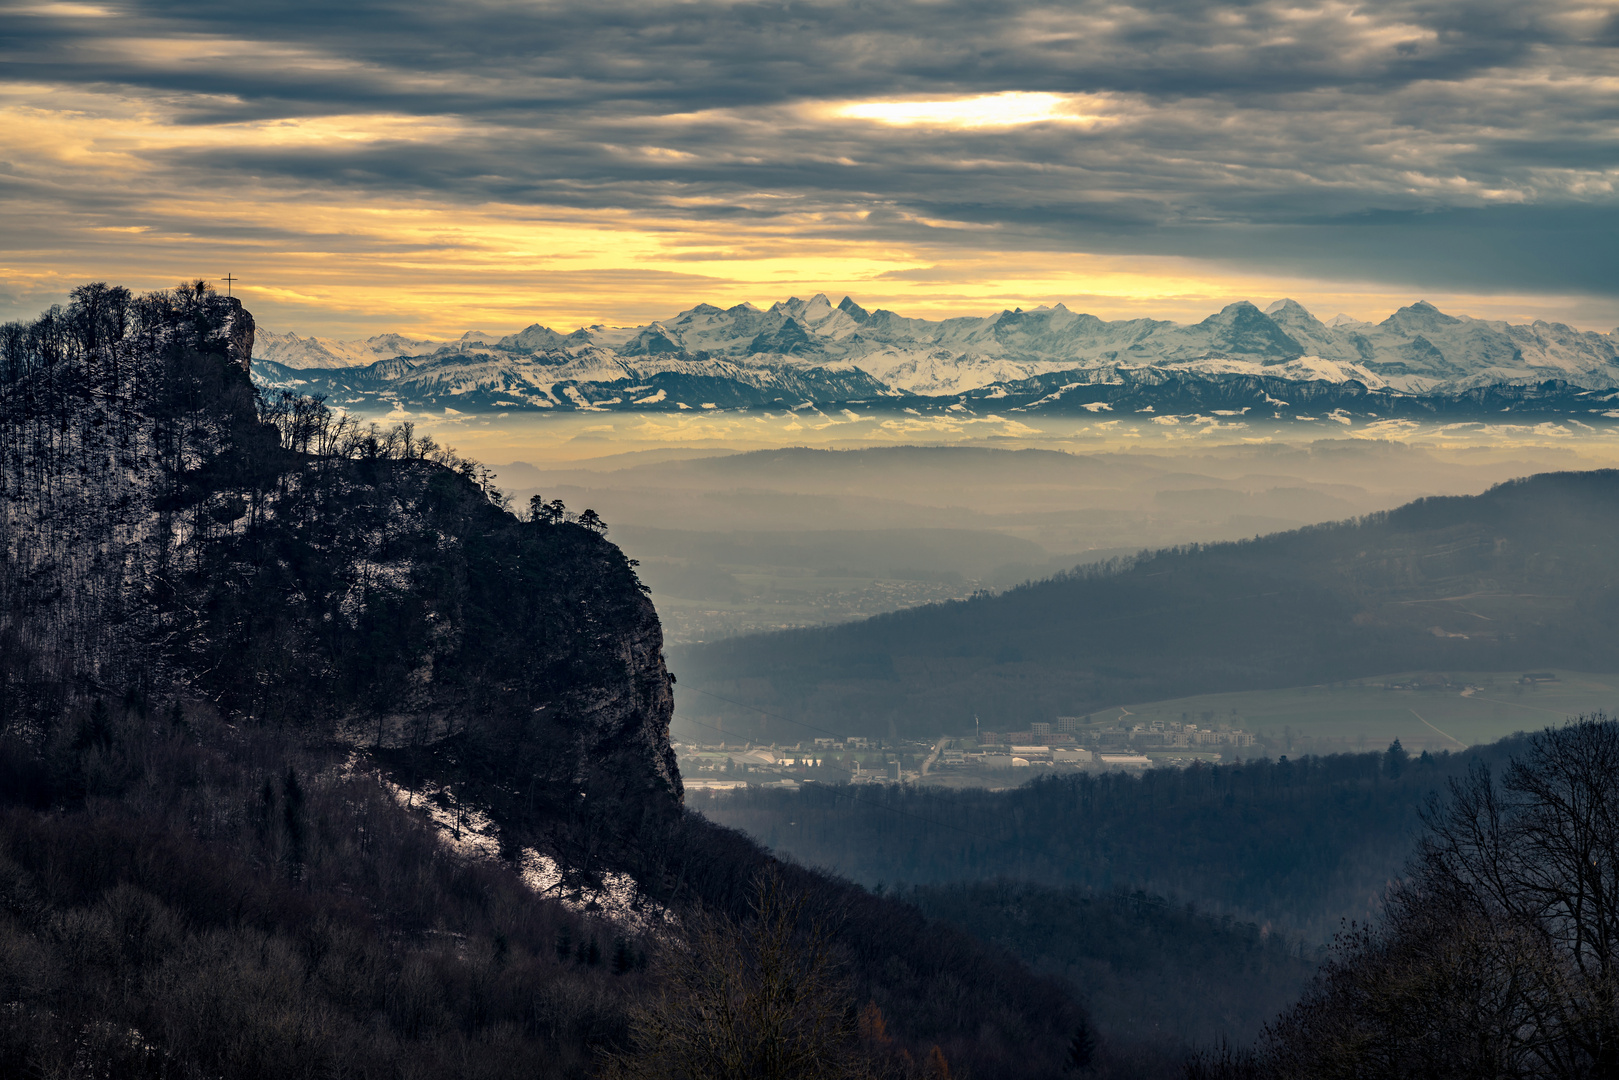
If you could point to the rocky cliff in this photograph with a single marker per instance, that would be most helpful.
(164, 535)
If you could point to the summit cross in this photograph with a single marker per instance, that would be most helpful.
(228, 280)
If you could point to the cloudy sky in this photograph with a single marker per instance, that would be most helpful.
(440, 166)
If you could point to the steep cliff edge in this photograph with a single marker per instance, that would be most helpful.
(165, 534)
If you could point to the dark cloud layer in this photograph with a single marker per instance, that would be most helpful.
(1432, 142)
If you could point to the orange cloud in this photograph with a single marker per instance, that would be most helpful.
(106, 202)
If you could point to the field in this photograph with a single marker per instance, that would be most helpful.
(1424, 710)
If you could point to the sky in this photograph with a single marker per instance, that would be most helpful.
(437, 167)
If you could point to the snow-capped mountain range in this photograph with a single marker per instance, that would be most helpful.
(811, 350)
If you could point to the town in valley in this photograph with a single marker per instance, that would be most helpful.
(987, 759)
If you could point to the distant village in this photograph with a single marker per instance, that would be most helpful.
(989, 758)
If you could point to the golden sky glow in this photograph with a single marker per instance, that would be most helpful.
(504, 165)
(367, 266)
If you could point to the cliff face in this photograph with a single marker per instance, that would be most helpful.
(239, 339)
(160, 533)
(389, 602)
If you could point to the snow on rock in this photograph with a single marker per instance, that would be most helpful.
(469, 833)
(1299, 369)
(292, 351)
(618, 899)
(1416, 349)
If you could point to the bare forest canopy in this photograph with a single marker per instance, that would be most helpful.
(1296, 845)
(1523, 575)
(1454, 904)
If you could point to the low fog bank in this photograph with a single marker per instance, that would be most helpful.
(738, 542)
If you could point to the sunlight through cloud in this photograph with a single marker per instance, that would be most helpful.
(1009, 109)
(67, 11)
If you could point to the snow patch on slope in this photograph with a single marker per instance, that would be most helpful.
(469, 833)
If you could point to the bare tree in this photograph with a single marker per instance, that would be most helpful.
(1535, 858)
(1431, 993)
(1498, 956)
(764, 1000)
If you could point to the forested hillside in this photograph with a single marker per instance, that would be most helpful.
(1523, 575)
(317, 760)
(181, 895)
(1153, 972)
(1183, 906)
(1293, 845)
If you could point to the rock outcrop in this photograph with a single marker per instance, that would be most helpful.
(163, 533)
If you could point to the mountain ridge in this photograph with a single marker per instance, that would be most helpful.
(163, 525)
(1417, 349)
(800, 354)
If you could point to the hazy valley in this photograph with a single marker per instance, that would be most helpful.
(736, 543)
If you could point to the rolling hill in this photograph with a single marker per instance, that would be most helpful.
(1522, 575)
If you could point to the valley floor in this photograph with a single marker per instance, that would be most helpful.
(1425, 710)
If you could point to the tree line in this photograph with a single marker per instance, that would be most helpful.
(308, 426)
(1294, 844)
